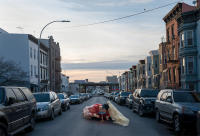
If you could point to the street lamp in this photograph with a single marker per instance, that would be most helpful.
(61, 21)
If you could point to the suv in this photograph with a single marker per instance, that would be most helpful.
(178, 107)
(48, 105)
(144, 100)
(17, 110)
(121, 99)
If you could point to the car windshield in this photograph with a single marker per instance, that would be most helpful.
(1, 95)
(148, 93)
(125, 94)
(186, 97)
(42, 97)
(74, 96)
(61, 96)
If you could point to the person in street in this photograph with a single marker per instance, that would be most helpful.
(97, 111)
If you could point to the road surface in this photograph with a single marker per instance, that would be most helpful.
(71, 123)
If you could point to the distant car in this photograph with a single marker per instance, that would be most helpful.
(75, 99)
(129, 101)
(114, 96)
(65, 101)
(17, 110)
(48, 105)
(178, 107)
(144, 101)
(121, 99)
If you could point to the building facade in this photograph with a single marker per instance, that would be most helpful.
(65, 83)
(172, 44)
(54, 64)
(112, 79)
(23, 50)
(148, 72)
(189, 31)
(141, 77)
(154, 54)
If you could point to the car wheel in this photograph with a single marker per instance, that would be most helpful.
(52, 115)
(157, 115)
(3, 131)
(177, 123)
(141, 111)
(32, 123)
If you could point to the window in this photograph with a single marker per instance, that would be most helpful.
(10, 94)
(174, 74)
(35, 70)
(28, 93)
(149, 66)
(163, 96)
(173, 31)
(190, 65)
(2, 95)
(34, 54)
(31, 52)
(189, 38)
(168, 38)
(182, 40)
(31, 70)
(183, 66)
(19, 95)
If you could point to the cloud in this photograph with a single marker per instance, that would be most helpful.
(104, 65)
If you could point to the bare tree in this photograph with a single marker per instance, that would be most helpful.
(10, 72)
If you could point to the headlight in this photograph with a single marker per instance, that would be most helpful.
(187, 110)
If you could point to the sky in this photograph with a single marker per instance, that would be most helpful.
(91, 52)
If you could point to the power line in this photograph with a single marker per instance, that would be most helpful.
(120, 18)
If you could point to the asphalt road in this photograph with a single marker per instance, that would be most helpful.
(71, 123)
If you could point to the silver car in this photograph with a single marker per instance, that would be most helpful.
(48, 105)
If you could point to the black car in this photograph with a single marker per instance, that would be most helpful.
(129, 101)
(121, 99)
(75, 99)
(144, 101)
(17, 110)
(178, 107)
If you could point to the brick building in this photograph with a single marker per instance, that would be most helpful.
(172, 44)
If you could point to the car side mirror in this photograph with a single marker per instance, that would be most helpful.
(11, 100)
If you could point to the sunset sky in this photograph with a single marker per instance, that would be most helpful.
(91, 52)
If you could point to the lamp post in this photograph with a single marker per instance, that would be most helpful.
(61, 21)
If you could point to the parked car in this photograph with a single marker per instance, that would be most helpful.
(17, 110)
(65, 101)
(144, 101)
(75, 99)
(121, 99)
(177, 107)
(48, 105)
(129, 101)
(114, 96)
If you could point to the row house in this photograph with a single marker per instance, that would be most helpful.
(154, 54)
(189, 50)
(54, 60)
(148, 72)
(172, 44)
(141, 78)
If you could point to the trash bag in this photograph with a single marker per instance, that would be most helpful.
(117, 116)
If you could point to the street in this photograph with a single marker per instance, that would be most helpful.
(71, 123)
